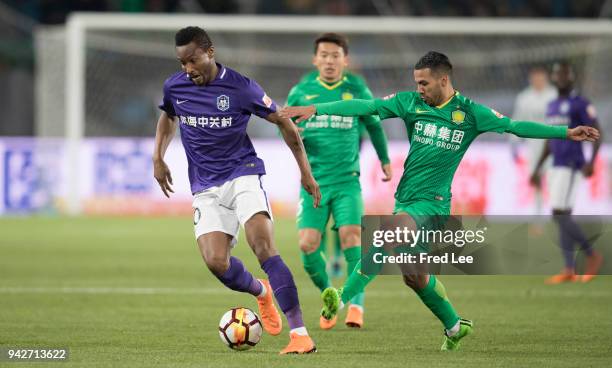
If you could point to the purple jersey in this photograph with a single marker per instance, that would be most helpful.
(213, 121)
(572, 110)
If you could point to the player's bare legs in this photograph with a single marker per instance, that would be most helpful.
(350, 242)
(215, 250)
(259, 235)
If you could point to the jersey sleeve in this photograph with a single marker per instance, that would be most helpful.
(587, 113)
(389, 106)
(166, 102)
(366, 94)
(489, 120)
(256, 101)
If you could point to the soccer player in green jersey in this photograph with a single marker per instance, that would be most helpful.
(332, 147)
(335, 268)
(441, 124)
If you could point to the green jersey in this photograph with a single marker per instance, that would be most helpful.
(332, 141)
(439, 137)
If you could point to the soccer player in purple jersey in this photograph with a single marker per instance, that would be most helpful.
(569, 163)
(212, 105)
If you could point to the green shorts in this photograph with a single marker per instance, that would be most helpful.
(342, 200)
(427, 214)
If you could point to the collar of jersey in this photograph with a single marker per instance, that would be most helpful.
(333, 86)
(448, 101)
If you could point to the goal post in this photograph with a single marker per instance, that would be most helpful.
(277, 49)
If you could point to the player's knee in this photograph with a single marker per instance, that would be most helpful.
(309, 241)
(416, 282)
(308, 246)
(410, 280)
(217, 265)
(350, 240)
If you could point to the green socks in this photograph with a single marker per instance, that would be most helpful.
(355, 283)
(352, 256)
(434, 297)
(315, 266)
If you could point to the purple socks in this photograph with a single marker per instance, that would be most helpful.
(284, 289)
(239, 279)
(570, 233)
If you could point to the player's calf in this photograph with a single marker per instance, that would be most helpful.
(313, 258)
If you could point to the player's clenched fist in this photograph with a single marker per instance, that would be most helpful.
(161, 172)
(583, 133)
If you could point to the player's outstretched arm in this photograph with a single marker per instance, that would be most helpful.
(341, 108)
(166, 127)
(530, 129)
(293, 140)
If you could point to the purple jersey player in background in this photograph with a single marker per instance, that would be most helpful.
(569, 164)
(212, 105)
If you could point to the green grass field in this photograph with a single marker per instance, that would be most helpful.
(134, 292)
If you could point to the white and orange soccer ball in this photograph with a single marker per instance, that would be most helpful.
(240, 328)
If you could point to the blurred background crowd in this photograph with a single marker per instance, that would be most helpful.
(20, 18)
(55, 11)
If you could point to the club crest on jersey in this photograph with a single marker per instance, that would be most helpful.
(457, 116)
(223, 103)
(347, 96)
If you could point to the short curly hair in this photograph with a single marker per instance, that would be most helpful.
(186, 35)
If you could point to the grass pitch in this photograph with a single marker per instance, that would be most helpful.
(134, 292)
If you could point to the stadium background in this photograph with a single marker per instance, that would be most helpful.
(122, 283)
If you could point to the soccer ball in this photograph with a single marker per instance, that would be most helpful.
(240, 328)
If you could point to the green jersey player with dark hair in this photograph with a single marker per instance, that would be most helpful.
(332, 146)
(441, 124)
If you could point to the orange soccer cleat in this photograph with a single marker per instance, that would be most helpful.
(593, 263)
(271, 319)
(327, 324)
(299, 344)
(354, 317)
(564, 276)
